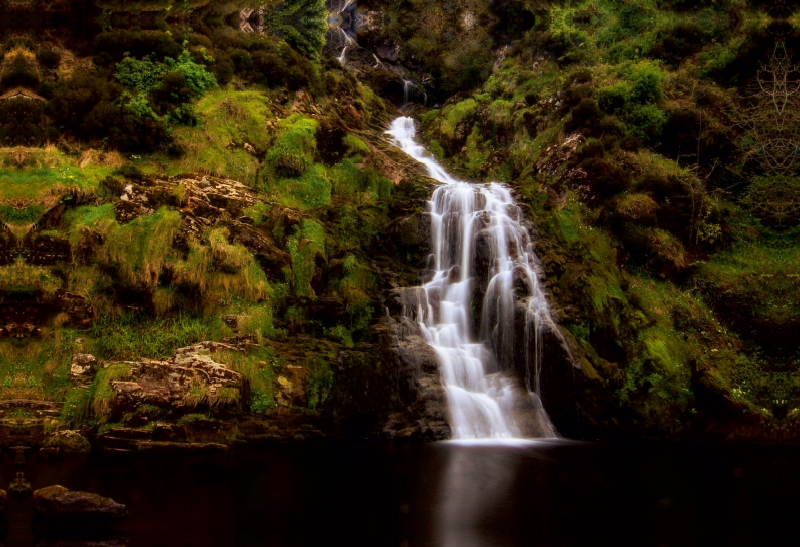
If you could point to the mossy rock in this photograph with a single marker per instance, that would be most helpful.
(69, 443)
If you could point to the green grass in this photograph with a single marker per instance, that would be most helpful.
(319, 382)
(258, 367)
(454, 114)
(310, 190)
(132, 337)
(21, 280)
(103, 392)
(30, 184)
(293, 150)
(304, 245)
(227, 121)
(762, 279)
(137, 250)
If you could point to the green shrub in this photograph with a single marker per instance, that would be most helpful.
(319, 382)
(647, 81)
(169, 85)
(615, 98)
(645, 121)
(302, 23)
(304, 245)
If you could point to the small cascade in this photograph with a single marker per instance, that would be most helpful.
(339, 19)
(342, 58)
(483, 285)
(408, 85)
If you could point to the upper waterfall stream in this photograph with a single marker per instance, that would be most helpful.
(482, 307)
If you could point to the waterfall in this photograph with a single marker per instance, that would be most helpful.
(407, 85)
(483, 283)
(338, 20)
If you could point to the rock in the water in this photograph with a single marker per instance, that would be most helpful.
(55, 542)
(3, 501)
(68, 442)
(19, 486)
(60, 502)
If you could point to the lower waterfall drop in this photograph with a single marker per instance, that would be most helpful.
(483, 283)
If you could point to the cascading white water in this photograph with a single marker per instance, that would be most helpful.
(407, 86)
(336, 18)
(482, 255)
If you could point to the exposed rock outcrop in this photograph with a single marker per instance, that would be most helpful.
(290, 388)
(189, 379)
(419, 385)
(60, 502)
(68, 442)
(83, 368)
(27, 421)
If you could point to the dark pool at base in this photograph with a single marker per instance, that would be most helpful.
(381, 493)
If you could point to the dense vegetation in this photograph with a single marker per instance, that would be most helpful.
(655, 148)
(653, 141)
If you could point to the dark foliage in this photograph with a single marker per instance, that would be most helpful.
(682, 42)
(19, 73)
(23, 123)
(115, 44)
(87, 107)
(48, 58)
(605, 177)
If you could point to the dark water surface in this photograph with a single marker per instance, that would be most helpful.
(360, 493)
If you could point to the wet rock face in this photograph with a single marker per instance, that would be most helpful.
(419, 386)
(290, 389)
(388, 51)
(60, 502)
(394, 390)
(411, 231)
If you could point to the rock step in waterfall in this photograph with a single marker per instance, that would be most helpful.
(483, 286)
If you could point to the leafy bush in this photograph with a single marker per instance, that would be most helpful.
(170, 85)
(645, 121)
(615, 98)
(87, 106)
(647, 80)
(635, 98)
(137, 43)
(587, 114)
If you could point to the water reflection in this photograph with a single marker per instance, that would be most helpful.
(449, 494)
(475, 488)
